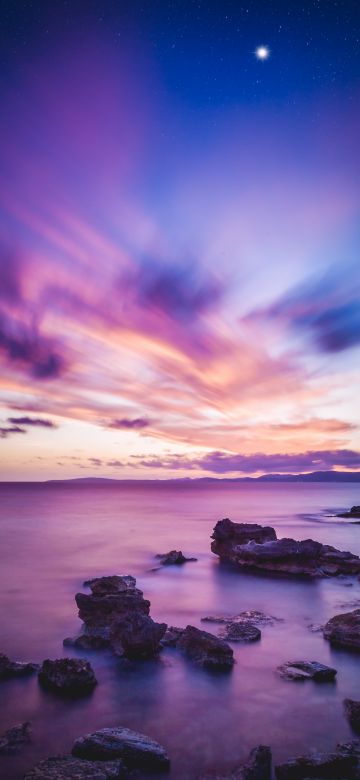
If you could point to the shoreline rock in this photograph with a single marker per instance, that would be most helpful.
(342, 764)
(69, 676)
(256, 548)
(137, 636)
(9, 669)
(353, 512)
(70, 768)
(15, 738)
(307, 670)
(344, 630)
(202, 648)
(138, 751)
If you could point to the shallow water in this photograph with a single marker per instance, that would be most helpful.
(52, 538)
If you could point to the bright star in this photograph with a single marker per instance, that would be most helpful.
(262, 52)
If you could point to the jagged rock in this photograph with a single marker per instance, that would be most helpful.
(307, 670)
(205, 649)
(15, 668)
(14, 739)
(137, 636)
(256, 548)
(72, 676)
(137, 750)
(70, 768)
(172, 636)
(344, 630)
(112, 598)
(353, 512)
(173, 558)
(352, 710)
(240, 632)
(342, 764)
(249, 615)
(258, 767)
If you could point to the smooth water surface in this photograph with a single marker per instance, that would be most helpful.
(52, 538)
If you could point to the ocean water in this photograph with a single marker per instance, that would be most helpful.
(52, 538)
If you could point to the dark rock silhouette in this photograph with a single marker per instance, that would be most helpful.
(70, 768)
(137, 636)
(202, 648)
(72, 676)
(307, 670)
(10, 669)
(344, 630)
(352, 711)
(353, 512)
(342, 764)
(173, 558)
(13, 740)
(137, 750)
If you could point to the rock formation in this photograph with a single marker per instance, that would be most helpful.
(344, 630)
(137, 750)
(173, 558)
(73, 676)
(10, 669)
(13, 740)
(307, 670)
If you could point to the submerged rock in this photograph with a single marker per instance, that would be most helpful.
(205, 649)
(14, 739)
(307, 670)
(137, 636)
(70, 768)
(72, 676)
(342, 764)
(344, 630)
(353, 512)
(137, 750)
(10, 669)
(249, 615)
(254, 547)
(352, 711)
(173, 558)
(257, 767)
(240, 632)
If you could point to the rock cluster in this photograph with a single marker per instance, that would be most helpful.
(344, 630)
(13, 740)
(10, 669)
(342, 764)
(200, 647)
(255, 547)
(307, 670)
(72, 676)
(173, 558)
(257, 767)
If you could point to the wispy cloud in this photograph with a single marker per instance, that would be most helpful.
(36, 422)
(9, 430)
(137, 424)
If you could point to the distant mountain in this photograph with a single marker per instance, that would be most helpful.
(314, 476)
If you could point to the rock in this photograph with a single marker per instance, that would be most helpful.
(68, 675)
(256, 548)
(342, 764)
(353, 512)
(137, 636)
(258, 767)
(352, 711)
(112, 598)
(173, 558)
(205, 649)
(137, 750)
(240, 632)
(307, 670)
(12, 741)
(70, 768)
(344, 630)
(172, 636)
(250, 615)
(10, 669)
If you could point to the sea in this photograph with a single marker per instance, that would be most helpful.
(55, 536)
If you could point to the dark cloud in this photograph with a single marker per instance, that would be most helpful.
(28, 348)
(9, 430)
(222, 463)
(114, 463)
(95, 461)
(32, 421)
(137, 424)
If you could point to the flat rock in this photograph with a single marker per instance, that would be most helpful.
(70, 768)
(254, 547)
(13, 740)
(240, 632)
(205, 649)
(257, 767)
(353, 512)
(342, 764)
(10, 669)
(352, 711)
(344, 630)
(137, 750)
(137, 636)
(72, 676)
(173, 558)
(252, 615)
(307, 670)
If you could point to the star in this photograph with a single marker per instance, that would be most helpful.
(262, 52)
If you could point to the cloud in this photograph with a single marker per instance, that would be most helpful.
(9, 430)
(137, 424)
(114, 463)
(218, 462)
(95, 461)
(32, 421)
(26, 347)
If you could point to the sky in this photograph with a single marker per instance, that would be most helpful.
(179, 238)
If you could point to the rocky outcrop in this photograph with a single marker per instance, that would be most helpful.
(352, 711)
(344, 630)
(137, 636)
(172, 636)
(257, 767)
(256, 548)
(202, 648)
(307, 670)
(73, 676)
(249, 615)
(173, 558)
(240, 632)
(10, 669)
(70, 768)
(137, 750)
(13, 740)
(353, 512)
(343, 763)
